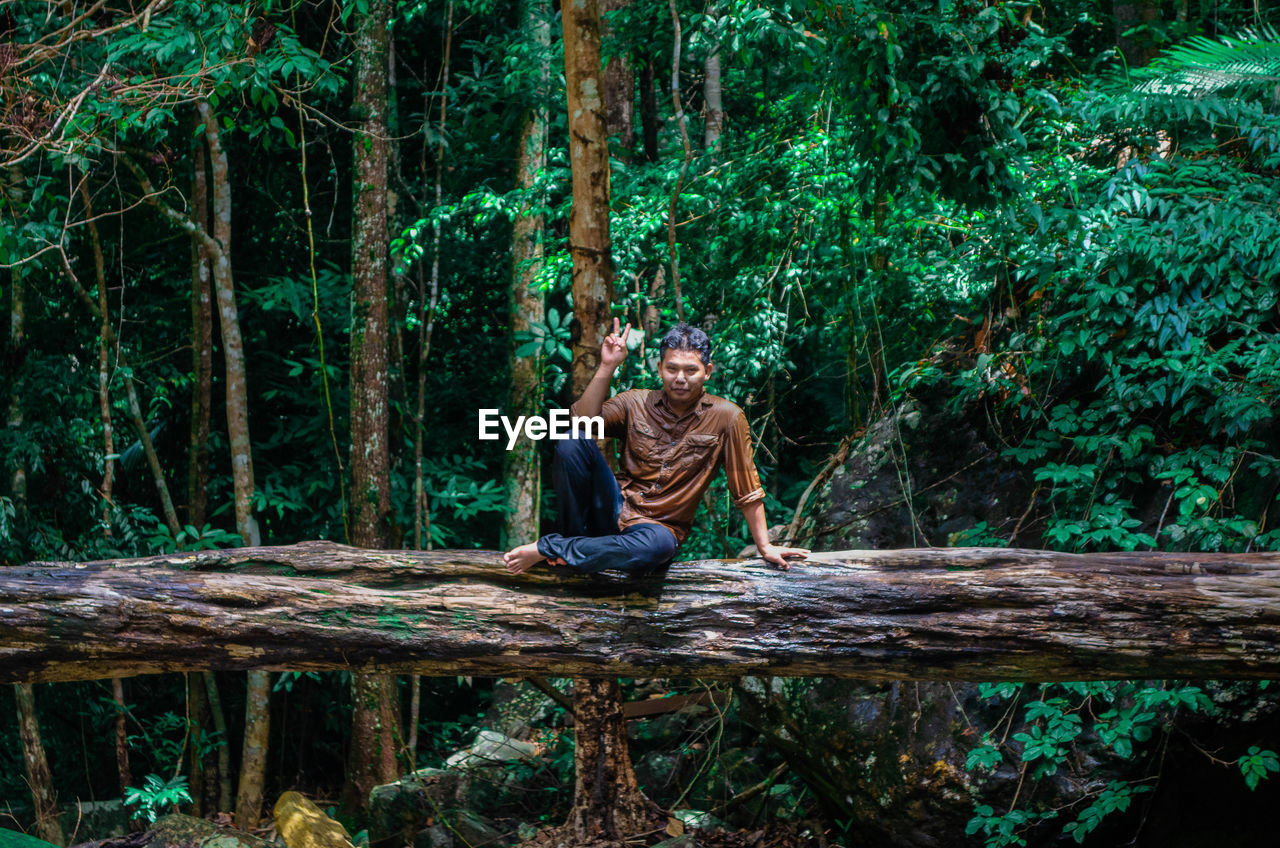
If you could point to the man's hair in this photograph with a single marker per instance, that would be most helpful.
(684, 337)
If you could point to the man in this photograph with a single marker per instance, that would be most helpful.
(672, 443)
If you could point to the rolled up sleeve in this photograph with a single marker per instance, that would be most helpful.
(739, 467)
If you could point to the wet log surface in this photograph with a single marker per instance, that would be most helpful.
(944, 613)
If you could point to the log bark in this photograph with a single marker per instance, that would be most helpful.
(944, 613)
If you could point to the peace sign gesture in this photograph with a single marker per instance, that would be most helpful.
(614, 348)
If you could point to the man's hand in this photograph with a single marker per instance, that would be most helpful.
(614, 348)
(778, 554)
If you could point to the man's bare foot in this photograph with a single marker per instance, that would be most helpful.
(523, 558)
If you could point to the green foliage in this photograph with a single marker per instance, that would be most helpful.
(1132, 370)
(1125, 719)
(1257, 765)
(1248, 63)
(161, 740)
(155, 795)
(893, 177)
(1115, 798)
(549, 340)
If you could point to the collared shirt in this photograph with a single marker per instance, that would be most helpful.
(666, 462)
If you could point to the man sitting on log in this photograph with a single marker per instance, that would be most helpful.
(671, 443)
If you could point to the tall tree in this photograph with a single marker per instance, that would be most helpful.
(619, 84)
(521, 466)
(48, 827)
(589, 242)
(201, 345)
(105, 335)
(607, 799)
(712, 92)
(33, 756)
(15, 196)
(217, 242)
(374, 718)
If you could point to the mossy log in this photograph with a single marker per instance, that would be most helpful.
(943, 613)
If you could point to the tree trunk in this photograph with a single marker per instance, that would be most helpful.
(607, 801)
(682, 124)
(16, 360)
(649, 110)
(427, 306)
(253, 760)
(39, 779)
(216, 244)
(373, 722)
(237, 389)
(371, 498)
(1139, 48)
(375, 734)
(619, 86)
(931, 613)
(153, 459)
(522, 466)
(201, 348)
(711, 91)
(104, 361)
(253, 756)
(589, 242)
(122, 735)
(223, 800)
(196, 726)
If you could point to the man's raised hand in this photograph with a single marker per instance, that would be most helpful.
(614, 349)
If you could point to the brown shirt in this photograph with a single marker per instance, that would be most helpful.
(667, 463)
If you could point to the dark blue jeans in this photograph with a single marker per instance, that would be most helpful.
(589, 500)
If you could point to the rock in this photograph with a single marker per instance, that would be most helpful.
(490, 747)
(920, 476)
(516, 708)
(698, 819)
(436, 808)
(400, 811)
(301, 824)
(886, 758)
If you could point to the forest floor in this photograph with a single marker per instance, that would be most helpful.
(778, 835)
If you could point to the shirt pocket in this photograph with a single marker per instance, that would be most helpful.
(699, 449)
(645, 442)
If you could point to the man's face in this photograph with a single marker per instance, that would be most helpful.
(683, 376)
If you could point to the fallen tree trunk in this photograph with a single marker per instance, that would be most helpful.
(945, 613)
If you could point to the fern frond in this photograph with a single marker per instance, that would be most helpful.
(1203, 66)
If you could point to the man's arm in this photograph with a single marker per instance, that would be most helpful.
(612, 352)
(748, 494)
(759, 527)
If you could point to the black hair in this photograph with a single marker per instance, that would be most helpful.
(684, 337)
